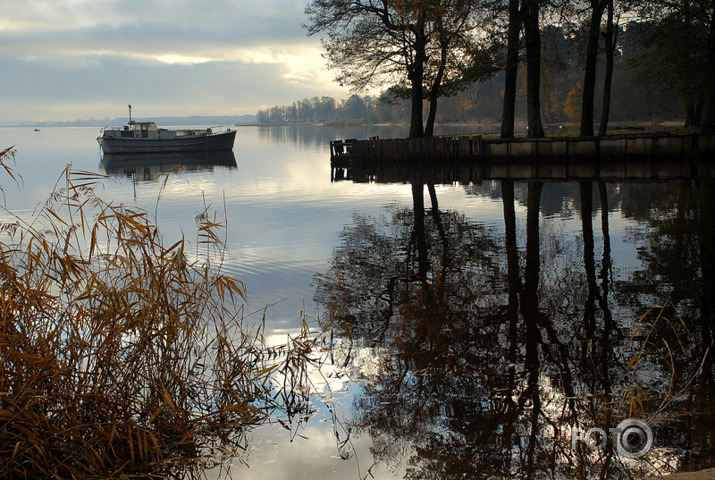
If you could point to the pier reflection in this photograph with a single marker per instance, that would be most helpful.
(489, 344)
(481, 169)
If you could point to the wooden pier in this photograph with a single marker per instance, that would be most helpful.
(651, 156)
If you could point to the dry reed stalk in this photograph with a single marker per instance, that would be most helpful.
(121, 357)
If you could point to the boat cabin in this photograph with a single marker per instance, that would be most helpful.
(142, 128)
(149, 130)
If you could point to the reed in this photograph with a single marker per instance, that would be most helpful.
(121, 357)
(659, 337)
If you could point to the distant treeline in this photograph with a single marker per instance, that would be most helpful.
(634, 98)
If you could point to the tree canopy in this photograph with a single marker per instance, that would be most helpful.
(675, 61)
(415, 46)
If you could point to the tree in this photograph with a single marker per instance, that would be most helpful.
(461, 60)
(680, 59)
(532, 39)
(589, 81)
(372, 43)
(354, 107)
(511, 68)
(610, 36)
(412, 46)
(524, 14)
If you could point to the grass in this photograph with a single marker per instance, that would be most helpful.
(121, 357)
(574, 133)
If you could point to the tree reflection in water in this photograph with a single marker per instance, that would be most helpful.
(489, 346)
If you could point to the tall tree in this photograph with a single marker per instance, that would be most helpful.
(610, 37)
(511, 68)
(455, 60)
(532, 38)
(680, 60)
(597, 8)
(462, 61)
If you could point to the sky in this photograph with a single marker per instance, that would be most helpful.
(81, 59)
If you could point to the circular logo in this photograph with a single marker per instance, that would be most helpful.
(634, 438)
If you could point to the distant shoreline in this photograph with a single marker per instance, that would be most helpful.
(250, 121)
(161, 121)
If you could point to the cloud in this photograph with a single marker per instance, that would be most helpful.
(154, 87)
(220, 16)
(177, 57)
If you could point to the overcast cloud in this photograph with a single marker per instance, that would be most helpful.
(72, 59)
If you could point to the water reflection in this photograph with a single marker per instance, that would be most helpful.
(435, 299)
(147, 167)
(489, 347)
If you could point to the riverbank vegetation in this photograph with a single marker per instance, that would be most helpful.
(585, 61)
(122, 357)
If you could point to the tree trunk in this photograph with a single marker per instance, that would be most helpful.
(708, 115)
(589, 80)
(532, 37)
(610, 38)
(510, 71)
(434, 92)
(689, 115)
(429, 127)
(416, 77)
(416, 113)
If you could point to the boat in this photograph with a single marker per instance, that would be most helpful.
(146, 137)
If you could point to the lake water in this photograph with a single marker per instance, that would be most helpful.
(486, 321)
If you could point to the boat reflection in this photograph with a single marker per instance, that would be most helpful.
(147, 167)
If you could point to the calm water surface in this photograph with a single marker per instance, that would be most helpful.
(485, 321)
